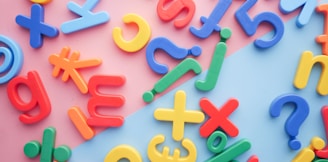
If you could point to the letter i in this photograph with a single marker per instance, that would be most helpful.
(80, 121)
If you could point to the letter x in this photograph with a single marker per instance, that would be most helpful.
(36, 26)
(218, 118)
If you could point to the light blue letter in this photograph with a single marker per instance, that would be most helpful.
(287, 6)
(87, 19)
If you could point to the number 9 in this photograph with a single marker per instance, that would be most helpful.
(249, 26)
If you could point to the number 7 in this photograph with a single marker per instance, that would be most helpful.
(250, 26)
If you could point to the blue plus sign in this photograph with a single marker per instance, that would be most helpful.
(36, 26)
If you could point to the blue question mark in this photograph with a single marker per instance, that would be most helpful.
(295, 120)
(171, 49)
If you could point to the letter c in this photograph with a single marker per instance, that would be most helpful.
(139, 41)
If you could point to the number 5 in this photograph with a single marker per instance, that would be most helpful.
(249, 26)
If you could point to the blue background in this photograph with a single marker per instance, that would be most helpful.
(253, 76)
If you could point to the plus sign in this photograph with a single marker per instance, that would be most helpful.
(179, 116)
(218, 118)
(36, 26)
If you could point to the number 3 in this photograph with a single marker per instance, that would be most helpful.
(249, 26)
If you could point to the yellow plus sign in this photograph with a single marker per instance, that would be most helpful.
(179, 116)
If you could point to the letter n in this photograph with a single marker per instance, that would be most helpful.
(305, 67)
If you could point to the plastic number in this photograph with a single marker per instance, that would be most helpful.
(250, 26)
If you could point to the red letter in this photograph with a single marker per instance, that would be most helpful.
(174, 9)
(39, 97)
(99, 99)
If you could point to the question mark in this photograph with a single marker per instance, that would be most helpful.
(171, 49)
(295, 120)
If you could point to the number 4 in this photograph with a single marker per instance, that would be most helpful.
(250, 26)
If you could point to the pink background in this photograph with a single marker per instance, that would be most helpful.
(97, 42)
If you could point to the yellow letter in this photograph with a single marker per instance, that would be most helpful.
(123, 152)
(139, 41)
(307, 154)
(155, 156)
(304, 69)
